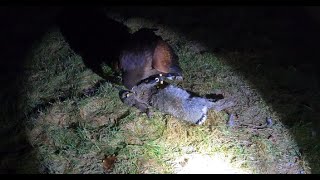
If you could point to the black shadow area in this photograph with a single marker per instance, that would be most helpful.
(20, 28)
(96, 38)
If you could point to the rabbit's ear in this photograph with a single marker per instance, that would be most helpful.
(162, 57)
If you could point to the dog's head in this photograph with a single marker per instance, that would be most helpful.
(146, 55)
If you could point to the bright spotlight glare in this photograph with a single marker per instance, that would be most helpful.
(205, 164)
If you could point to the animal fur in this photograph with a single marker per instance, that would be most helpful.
(145, 55)
(173, 100)
(101, 40)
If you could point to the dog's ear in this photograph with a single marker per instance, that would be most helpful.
(162, 57)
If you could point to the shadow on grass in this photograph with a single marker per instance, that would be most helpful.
(20, 28)
(285, 70)
(88, 32)
(95, 37)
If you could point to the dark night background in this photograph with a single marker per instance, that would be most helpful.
(287, 37)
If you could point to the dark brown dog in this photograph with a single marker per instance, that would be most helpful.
(99, 39)
(145, 55)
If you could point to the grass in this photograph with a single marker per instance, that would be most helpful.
(75, 133)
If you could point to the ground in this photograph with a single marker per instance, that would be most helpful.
(71, 131)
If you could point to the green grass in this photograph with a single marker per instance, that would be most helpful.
(74, 134)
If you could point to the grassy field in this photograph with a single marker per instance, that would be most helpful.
(73, 131)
